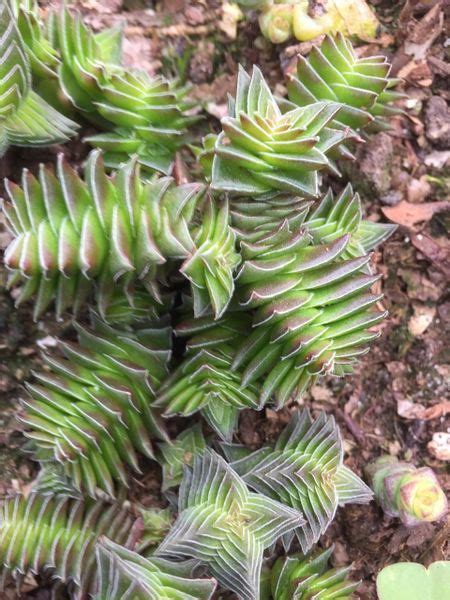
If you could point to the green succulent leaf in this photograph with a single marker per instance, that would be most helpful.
(56, 535)
(225, 526)
(262, 151)
(300, 577)
(25, 118)
(334, 72)
(126, 575)
(304, 470)
(91, 411)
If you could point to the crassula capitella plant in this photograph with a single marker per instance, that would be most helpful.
(83, 74)
(192, 301)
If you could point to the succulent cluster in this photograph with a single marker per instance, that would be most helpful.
(82, 73)
(77, 238)
(334, 72)
(56, 536)
(404, 491)
(205, 298)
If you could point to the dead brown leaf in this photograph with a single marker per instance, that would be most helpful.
(422, 36)
(437, 254)
(409, 214)
(410, 410)
(438, 410)
(413, 410)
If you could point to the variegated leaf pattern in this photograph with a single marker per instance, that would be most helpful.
(25, 118)
(334, 72)
(173, 456)
(91, 411)
(125, 575)
(56, 536)
(225, 526)
(262, 151)
(70, 234)
(313, 311)
(304, 470)
(204, 380)
(299, 577)
(254, 217)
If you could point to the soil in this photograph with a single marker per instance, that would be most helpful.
(398, 400)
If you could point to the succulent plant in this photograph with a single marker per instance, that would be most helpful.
(145, 114)
(71, 234)
(25, 118)
(266, 290)
(262, 151)
(56, 535)
(332, 218)
(175, 455)
(211, 266)
(127, 575)
(277, 22)
(91, 412)
(412, 494)
(313, 311)
(204, 380)
(78, 70)
(304, 470)
(298, 577)
(333, 72)
(225, 526)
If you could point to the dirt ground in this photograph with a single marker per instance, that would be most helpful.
(398, 401)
